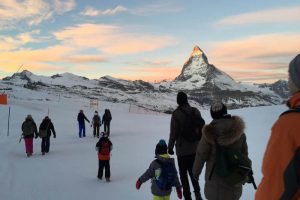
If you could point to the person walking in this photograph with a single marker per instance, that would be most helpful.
(29, 130)
(104, 147)
(106, 118)
(225, 131)
(48, 127)
(163, 173)
(185, 147)
(96, 123)
(281, 162)
(81, 122)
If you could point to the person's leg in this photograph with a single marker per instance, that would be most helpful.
(108, 128)
(105, 127)
(94, 130)
(83, 129)
(100, 169)
(30, 145)
(97, 130)
(107, 170)
(47, 147)
(80, 129)
(26, 141)
(43, 145)
(183, 172)
(195, 183)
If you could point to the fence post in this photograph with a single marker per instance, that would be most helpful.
(8, 121)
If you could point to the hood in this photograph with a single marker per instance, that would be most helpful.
(225, 131)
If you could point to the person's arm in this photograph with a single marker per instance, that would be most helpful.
(35, 130)
(148, 174)
(174, 132)
(86, 119)
(52, 129)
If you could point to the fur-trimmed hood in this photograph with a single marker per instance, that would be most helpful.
(225, 131)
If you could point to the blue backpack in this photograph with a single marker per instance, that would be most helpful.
(167, 177)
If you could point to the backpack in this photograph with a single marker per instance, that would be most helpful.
(43, 132)
(28, 128)
(167, 178)
(193, 124)
(233, 166)
(96, 119)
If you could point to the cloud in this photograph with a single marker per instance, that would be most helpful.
(269, 52)
(161, 7)
(110, 39)
(34, 12)
(276, 15)
(92, 12)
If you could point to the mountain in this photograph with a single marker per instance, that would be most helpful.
(202, 81)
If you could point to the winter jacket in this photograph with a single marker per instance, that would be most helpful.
(154, 171)
(96, 120)
(281, 163)
(225, 131)
(104, 151)
(178, 118)
(47, 124)
(81, 117)
(29, 128)
(106, 118)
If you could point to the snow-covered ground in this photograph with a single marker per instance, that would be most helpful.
(69, 171)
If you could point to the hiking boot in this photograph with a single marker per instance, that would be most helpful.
(107, 179)
(100, 178)
(43, 153)
(198, 196)
(28, 154)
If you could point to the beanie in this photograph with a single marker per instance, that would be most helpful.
(161, 148)
(294, 71)
(181, 98)
(218, 110)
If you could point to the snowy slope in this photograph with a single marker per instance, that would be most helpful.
(69, 170)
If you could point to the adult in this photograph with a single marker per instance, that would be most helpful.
(106, 118)
(185, 150)
(81, 122)
(47, 126)
(281, 163)
(226, 131)
(29, 130)
(96, 123)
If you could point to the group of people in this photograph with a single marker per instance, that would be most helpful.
(96, 122)
(281, 163)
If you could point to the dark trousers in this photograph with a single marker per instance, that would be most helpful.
(96, 130)
(185, 164)
(104, 164)
(107, 127)
(45, 144)
(81, 129)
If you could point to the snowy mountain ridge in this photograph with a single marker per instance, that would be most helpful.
(203, 82)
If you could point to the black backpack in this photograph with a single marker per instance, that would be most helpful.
(193, 124)
(231, 165)
(167, 177)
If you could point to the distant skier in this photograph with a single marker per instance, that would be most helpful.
(81, 122)
(96, 123)
(29, 130)
(106, 120)
(104, 147)
(47, 127)
(163, 173)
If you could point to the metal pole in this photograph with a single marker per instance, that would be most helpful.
(8, 121)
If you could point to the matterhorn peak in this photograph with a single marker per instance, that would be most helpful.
(197, 51)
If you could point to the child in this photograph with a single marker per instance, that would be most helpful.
(163, 173)
(104, 147)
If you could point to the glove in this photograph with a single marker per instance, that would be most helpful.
(171, 152)
(179, 192)
(138, 184)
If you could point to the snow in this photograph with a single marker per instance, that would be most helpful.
(69, 171)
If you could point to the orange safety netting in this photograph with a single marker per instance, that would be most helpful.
(3, 99)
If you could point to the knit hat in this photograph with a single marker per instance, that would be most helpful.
(96, 112)
(181, 98)
(294, 71)
(161, 148)
(218, 110)
(29, 117)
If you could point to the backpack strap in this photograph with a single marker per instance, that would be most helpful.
(292, 110)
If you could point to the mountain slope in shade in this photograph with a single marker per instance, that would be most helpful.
(203, 82)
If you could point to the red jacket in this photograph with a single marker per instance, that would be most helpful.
(281, 163)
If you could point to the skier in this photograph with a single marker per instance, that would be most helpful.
(81, 122)
(47, 126)
(96, 122)
(104, 147)
(161, 187)
(29, 130)
(106, 120)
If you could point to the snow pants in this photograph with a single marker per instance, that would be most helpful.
(96, 130)
(104, 164)
(82, 129)
(45, 146)
(161, 197)
(29, 145)
(185, 164)
(107, 127)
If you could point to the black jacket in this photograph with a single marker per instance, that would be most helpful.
(81, 117)
(106, 117)
(47, 124)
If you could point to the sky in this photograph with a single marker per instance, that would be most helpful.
(252, 41)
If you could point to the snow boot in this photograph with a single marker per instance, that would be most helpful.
(107, 179)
